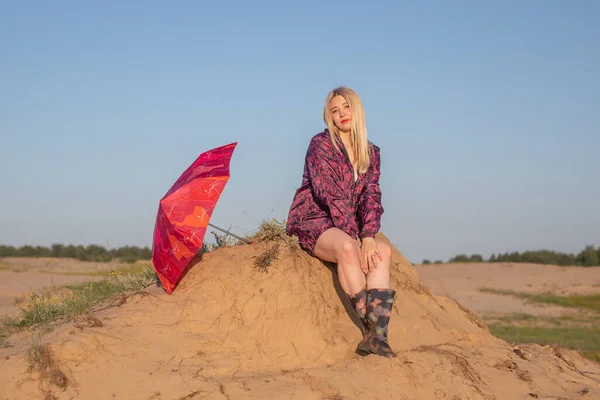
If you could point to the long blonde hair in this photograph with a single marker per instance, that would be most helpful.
(358, 129)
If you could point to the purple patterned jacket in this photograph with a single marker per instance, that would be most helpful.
(330, 197)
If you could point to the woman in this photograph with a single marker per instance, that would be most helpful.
(336, 214)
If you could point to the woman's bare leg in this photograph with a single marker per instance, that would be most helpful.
(380, 277)
(336, 246)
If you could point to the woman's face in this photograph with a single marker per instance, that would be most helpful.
(340, 112)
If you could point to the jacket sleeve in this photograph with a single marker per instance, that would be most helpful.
(329, 187)
(370, 208)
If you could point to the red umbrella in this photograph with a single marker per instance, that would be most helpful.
(184, 213)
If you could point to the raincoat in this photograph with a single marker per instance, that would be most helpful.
(330, 196)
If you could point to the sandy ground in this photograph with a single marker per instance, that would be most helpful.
(20, 275)
(232, 332)
(463, 282)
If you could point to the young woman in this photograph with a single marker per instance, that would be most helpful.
(336, 214)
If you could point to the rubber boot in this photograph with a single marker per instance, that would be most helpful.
(379, 308)
(359, 305)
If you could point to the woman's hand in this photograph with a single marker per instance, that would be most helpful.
(369, 251)
(363, 265)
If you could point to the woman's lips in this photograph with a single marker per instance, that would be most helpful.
(345, 120)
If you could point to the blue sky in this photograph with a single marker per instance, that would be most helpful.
(487, 115)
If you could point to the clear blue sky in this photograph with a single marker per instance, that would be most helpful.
(487, 114)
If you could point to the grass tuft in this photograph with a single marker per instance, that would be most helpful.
(39, 359)
(38, 356)
(266, 258)
(274, 231)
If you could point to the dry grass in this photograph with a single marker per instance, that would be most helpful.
(274, 231)
(41, 361)
(222, 240)
(38, 356)
(266, 258)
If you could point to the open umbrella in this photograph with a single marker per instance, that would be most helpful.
(184, 213)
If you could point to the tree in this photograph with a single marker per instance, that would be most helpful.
(27, 251)
(146, 253)
(80, 253)
(426, 261)
(459, 258)
(8, 251)
(94, 252)
(588, 257)
(564, 259)
(41, 251)
(57, 250)
(476, 258)
(69, 251)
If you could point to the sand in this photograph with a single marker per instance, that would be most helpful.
(230, 331)
(463, 282)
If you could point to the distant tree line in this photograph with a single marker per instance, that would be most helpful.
(588, 257)
(90, 252)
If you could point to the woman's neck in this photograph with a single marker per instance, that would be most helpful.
(345, 137)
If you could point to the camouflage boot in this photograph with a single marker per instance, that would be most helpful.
(359, 305)
(379, 308)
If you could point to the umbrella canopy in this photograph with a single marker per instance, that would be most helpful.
(185, 211)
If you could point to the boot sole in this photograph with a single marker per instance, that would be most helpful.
(365, 353)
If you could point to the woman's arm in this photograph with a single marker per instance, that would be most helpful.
(329, 188)
(369, 204)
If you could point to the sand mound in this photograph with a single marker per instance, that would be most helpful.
(234, 331)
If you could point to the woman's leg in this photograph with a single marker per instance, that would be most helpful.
(380, 277)
(336, 246)
(380, 300)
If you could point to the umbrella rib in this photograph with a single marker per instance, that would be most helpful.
(232, 234)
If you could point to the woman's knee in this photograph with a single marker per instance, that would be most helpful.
(347, 250)
(384, 249)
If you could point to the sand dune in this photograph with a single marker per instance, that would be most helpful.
(231, 331)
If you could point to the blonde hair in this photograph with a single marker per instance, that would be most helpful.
(358, 129)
